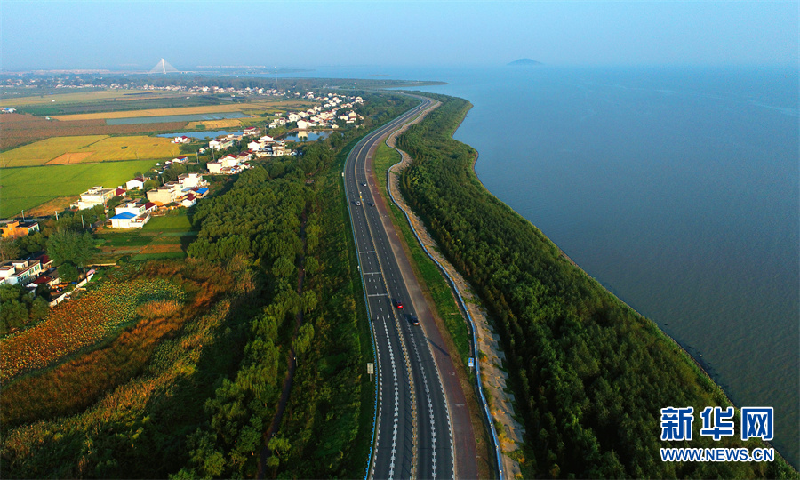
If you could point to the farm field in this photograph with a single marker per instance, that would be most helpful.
(17, 129)
(261, 105)
(88, 149)
(78, 97)
(28, 187)
(215, 124)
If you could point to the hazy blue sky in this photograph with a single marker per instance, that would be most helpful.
(114, 34)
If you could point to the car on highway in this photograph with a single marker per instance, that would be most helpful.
(358, 203)
(413, 320)
(398, 304)
(364, 184)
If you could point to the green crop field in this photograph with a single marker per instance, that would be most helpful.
(170, 222)
(88, 149)
(24, 188)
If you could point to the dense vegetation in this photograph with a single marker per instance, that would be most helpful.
(18, 307)
(590, 374)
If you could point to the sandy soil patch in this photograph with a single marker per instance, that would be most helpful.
(69, 158)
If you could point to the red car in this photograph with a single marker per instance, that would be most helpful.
(398, 304)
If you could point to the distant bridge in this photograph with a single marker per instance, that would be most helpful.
(163, 67)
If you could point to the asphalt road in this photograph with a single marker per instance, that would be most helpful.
(411, 398)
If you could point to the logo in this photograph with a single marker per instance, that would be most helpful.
(676, 423)
(756, 422)
(722, 421)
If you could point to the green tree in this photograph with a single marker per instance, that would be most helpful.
(150, 184)
(68, 272)
(9, 248)
(303, 340)
(68, 246)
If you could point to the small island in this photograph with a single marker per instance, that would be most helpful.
(524, 62)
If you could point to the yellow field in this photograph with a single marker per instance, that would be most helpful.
(216, 124)
(69, 158)
(158, 112)
(100, 148)
(76, 97)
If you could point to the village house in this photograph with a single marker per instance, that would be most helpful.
(48, 275)
(18, 228)
(95, 196)
(166, 194)
(251, 131)
(189, 200)
(181, 139)
(221, 144)
(135, 183)
(22, 272)
(130, 215)
(191, 180)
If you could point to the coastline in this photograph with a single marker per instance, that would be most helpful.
(701, 369)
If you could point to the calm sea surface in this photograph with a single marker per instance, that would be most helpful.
(676, 188)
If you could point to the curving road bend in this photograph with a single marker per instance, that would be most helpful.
(413, 437)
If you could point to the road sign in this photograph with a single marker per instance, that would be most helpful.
(471, 362)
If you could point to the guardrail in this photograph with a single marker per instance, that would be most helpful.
(495, 441)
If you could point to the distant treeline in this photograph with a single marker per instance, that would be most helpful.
(45, 84)
(589, 373)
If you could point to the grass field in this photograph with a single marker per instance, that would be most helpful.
(77, 97)
(25, 188)
(158, 112)
(89, 149)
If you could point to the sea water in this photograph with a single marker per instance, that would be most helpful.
(677, 188)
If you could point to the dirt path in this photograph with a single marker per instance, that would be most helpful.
(494, 378)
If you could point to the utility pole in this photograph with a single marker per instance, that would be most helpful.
(83, 225)
(56, 215)
(23, 214)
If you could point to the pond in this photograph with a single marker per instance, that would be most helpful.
(199, 135)
(305, 136)
(174, 118)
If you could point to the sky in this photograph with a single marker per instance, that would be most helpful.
(305, 34)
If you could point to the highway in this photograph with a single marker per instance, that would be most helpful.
(413, 437)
